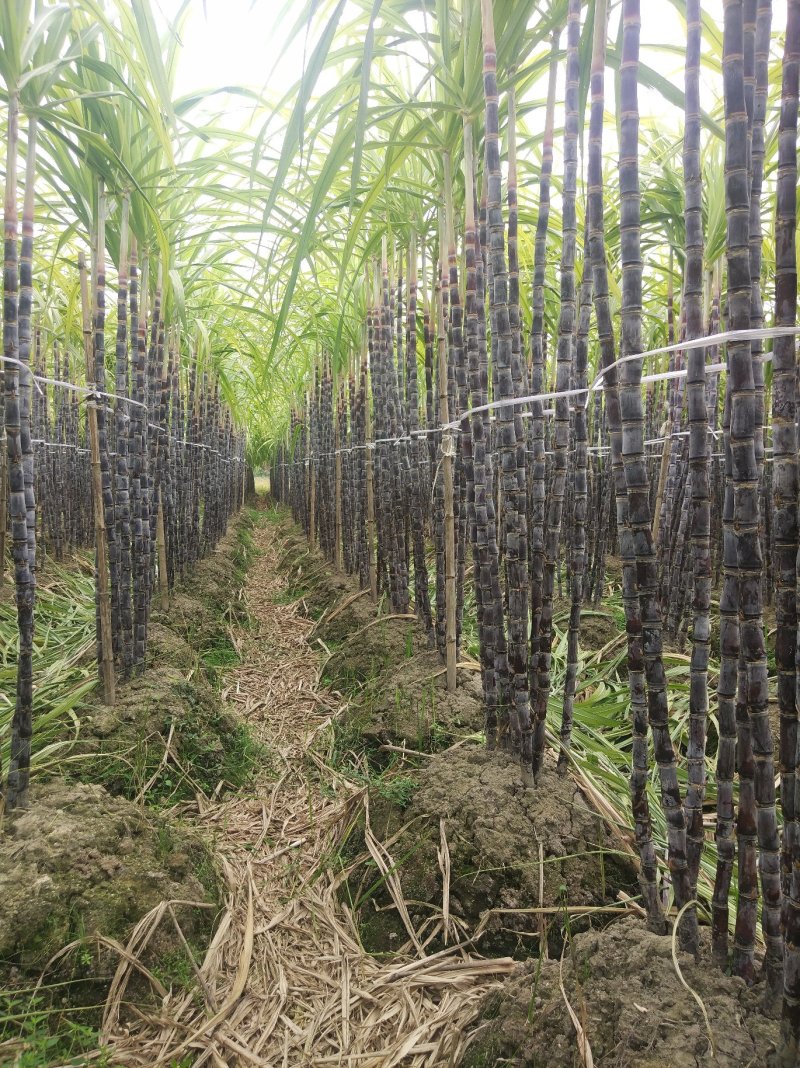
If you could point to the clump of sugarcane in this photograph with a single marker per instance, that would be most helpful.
(564, 361)
(177, 462)
(670, 521)
(348, 492)
(514, 479)
(325, 481)
(140, 477)
(363, 467)
(103, 421)
(62, 498)
(34, 56)
(756, 814)
(698, 451)
(440, 306)
(370, 527)
(458, 394)
(158, 444)
(392, 459)
(90, 464)
(419, 452)
(535, 457)
(482, 517)
(177, 432)
(579, 503)
(446, 562)
(15, 415)
(635, 471)
(122, 505)
(313, 451)
(784, 402)
(612, 416)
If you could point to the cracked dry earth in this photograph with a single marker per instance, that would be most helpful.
(285, 980)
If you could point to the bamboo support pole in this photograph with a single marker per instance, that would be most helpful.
(103, 583)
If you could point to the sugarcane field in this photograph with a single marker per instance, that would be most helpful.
(400, 534)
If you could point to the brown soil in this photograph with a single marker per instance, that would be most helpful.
(80, 862)
(598, 629)
(503, 840)
(165, 736)
(87, 860)
(408, 704)
(168, 732)
(311, 991)
(365, 652)
(622, 985)
(398, 698)
(360, 641)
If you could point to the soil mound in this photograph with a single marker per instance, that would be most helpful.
(369, 651)
(510, 847)
(360, 644)
(409, 705)
(169, 734)
(623, 986)
(80, 862)
(165, 738)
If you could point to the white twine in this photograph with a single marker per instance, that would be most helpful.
(112, 455)
(708, 341)
(86, 390)
(57, 444)
(90, 393)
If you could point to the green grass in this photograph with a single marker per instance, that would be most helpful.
(44, 1032)
(174, 969)
(218, 657)
(64, 665)
(214, 747)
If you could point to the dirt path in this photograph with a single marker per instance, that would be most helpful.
(285, 981)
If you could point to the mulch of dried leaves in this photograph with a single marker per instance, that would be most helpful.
(285, 980)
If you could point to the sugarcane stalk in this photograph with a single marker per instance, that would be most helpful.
(338, 546)
(564, 362)
(447, 457)
(514, 479)
(633, 622)
(105, 634)
(698, 451)
(22, 720)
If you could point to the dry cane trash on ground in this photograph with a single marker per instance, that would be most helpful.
(285, 980)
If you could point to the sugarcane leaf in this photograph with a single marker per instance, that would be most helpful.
(293, 135)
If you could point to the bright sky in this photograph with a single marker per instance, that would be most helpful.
(236, 42)
(239, 42)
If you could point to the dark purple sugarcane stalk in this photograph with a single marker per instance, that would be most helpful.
(784, 437)
(564, 363)
(514, 480)
(697, 417)
(536, 457)
(22, 720)
(630, 599)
